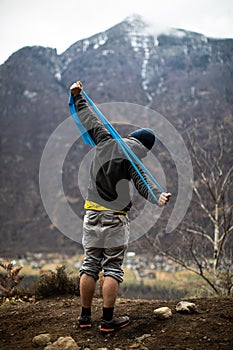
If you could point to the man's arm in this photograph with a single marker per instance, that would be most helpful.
(88, 118)
(162, 197)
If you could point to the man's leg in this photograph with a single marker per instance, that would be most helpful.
(110, 291)
(89, 275)
(90, 268)
(116, 231)
(113, 276)
(89, 272)
(87, 290)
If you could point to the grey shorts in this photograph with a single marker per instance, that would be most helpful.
(105, 241)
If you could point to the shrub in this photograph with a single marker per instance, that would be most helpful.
(9, 279)
(52, 283)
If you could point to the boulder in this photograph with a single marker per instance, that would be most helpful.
(186, 307)
(163, 312)
(41, 339)
(66, 343)
(51, 347)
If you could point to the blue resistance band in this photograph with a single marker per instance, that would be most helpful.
(83, 131)
(131, 156)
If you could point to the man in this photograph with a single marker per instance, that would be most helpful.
(106, 225)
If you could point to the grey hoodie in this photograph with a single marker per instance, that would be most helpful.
(111, 172)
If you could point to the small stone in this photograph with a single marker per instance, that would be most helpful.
(186, 307)
(66, 343)
(143, 337)
(51, 347)
(134, 346)
(163, 312)
(41, 339)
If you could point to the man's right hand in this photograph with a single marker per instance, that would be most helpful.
(76, 88)
(164, 198)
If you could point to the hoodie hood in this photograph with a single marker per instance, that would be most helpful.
(146, 136)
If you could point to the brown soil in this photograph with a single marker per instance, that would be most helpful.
(210, 328)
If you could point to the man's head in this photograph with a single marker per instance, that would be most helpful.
(145, 136)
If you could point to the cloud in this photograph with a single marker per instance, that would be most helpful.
(59, 24)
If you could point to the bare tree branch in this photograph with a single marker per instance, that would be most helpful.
(226, 179)
(204, 177)
(212, 208)
(203, 205)
(202, 234)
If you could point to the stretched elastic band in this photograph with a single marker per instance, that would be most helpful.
(130, 155)
(83, 131)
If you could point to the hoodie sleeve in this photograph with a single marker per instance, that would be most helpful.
(141, 187)
(94, 126)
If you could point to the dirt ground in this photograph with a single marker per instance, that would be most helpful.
(210, 328)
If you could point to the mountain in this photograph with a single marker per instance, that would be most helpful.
(184, 76)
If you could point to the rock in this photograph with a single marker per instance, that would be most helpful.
(41, 339)
(186, 307)
(134, 346)
(163, 312)
(66, 343)
(143, 337)
(51, 347)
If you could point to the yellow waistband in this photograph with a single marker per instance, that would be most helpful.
(89, 205)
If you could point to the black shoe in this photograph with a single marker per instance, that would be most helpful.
(84, 322)
(114, 324)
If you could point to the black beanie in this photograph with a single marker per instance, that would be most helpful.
(145, 136)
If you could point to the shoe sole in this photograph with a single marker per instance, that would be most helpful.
(110, 330)
(85, 326)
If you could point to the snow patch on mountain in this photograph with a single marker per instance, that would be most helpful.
(86, 44)
(141, 42)
(100, 40)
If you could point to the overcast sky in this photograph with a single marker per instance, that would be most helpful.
(60, 23)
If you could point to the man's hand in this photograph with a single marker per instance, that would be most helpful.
(164, 198)
(76, 88)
